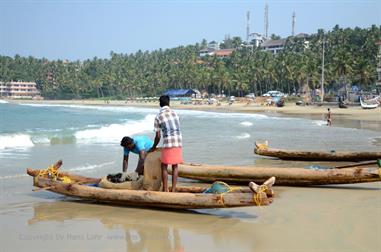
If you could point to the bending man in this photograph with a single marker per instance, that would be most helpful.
(138, 145)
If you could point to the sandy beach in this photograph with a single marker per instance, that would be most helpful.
(311, 219)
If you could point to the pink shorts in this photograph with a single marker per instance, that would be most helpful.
(171, 156)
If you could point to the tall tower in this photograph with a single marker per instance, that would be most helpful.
(266, 20)
(293, 24)
(248, 26)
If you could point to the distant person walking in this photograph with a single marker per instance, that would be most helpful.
(168, 123)
(329, 118)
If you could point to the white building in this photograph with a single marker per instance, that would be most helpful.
(256, 39)
(214, 45)
(17, 89)
(274, 46)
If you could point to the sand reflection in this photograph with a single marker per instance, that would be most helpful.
(136, 229)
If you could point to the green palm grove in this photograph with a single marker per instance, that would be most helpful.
(350, 58)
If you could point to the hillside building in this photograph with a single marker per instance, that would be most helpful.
(18, 89)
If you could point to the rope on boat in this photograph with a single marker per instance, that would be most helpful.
(258, 196)
(53, 173)
(220, 199)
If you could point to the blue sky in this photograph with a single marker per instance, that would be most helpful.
(68, 29)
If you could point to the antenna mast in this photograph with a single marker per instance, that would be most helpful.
(266, 20)
(248, 26)
(293, 24)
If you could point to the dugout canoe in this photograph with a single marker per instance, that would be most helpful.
(186, 198)
(284, 176)
(264, 150)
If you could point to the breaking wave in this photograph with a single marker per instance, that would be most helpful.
(15, 141)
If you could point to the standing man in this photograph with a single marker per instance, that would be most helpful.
(168, 123)
(139, 145)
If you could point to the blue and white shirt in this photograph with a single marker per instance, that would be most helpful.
(168, 122)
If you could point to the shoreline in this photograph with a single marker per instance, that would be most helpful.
(351, 117)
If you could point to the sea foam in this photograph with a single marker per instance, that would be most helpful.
(243, 136)
(115, 132)
(247, 124)
(17, 141)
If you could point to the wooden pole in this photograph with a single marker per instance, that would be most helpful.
(355, 165)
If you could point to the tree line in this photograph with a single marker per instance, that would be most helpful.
(350, 58)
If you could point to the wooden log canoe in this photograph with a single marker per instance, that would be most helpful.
(263, 150)
(185, 198)
(284, 176)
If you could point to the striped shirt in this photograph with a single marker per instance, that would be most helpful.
(168, 122)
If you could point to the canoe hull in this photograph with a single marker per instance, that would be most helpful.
(142, 198)
(264, 150)
(284, 176)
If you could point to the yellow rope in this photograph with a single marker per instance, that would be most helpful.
(257, 196)
(220, 199)
(53, 174)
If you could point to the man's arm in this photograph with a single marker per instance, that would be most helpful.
(125, 163)
(156, 141)
(140, 167)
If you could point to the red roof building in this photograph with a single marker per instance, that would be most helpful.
(223, 53)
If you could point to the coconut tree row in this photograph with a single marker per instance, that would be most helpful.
(350, 58)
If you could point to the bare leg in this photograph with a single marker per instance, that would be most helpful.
(164, 174)
(174, 177)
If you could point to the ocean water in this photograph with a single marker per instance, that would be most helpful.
(87, 139)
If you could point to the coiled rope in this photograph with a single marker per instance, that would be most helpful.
(53, 174)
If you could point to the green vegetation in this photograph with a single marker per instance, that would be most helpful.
(350, 57)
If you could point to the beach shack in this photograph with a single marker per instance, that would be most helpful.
(180, 93)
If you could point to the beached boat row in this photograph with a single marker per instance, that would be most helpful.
(189, 197)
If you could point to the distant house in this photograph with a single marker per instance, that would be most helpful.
(274, 46)
(223, 53)
(205, 52)
(214, 45)
(256, 39)
(180, 92)
(18, 89)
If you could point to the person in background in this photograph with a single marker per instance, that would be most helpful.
(329, 118)
(139, 145)
(168, 123)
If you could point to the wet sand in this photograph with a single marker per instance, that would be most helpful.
(325, 218)
(329, 218)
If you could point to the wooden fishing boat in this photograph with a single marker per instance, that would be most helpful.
(369, 105)
(186, 197)
(284, 176)
(263, 150)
